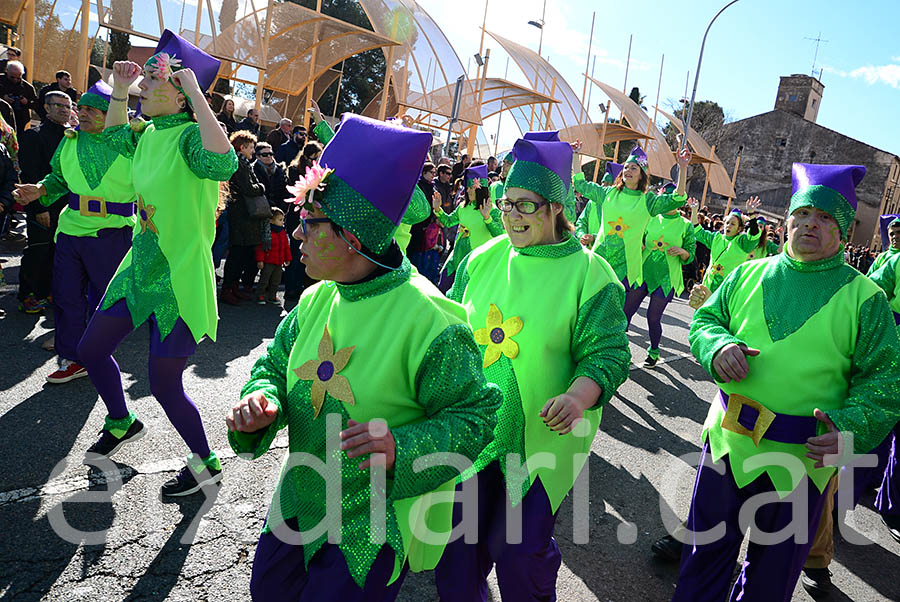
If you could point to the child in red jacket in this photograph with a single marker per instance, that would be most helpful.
(271, 261)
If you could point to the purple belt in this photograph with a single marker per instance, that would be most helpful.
(896, 318)
(785, 428)
(97, 206)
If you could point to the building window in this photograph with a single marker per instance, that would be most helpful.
(814, 103)
(781, 141)
(792, 98)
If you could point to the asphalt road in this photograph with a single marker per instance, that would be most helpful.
(133, 546)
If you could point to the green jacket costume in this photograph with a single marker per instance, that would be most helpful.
(392, 347)
(535, 344)
(473, 231)
(883, 257)
(725, 253)
(85, 165)
(885, 276)
(662, 270)
(768, 250)
(618, 220)
(833, 347)
(168, 272)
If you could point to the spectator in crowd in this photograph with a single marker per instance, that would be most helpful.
(492, 164)
(8, 177)
(271, 260)
(226, 116)
(12, 54)
(459, 167)
(8, 134)
(295, 278)
(244, 232)
(287, 152)
(445, 161)
(20, 95)
(426, 181)
(250, 123)
(63, 83)
(6, 112)
(281, 134)
(272, 175)
(36, 150)
(443, 186)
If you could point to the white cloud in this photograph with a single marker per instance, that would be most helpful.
(873, 74)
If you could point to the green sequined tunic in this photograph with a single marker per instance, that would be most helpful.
(406, 355)
(473, 231)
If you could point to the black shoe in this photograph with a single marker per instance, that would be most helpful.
(816, 582)
(107, 444)
(893, 525)
(649, 362)
(667, 549)
(187, 481)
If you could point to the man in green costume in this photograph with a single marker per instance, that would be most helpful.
(376, 350)
(831, 327)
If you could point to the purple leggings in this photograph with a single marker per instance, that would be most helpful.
(168, 358)
(658, 303)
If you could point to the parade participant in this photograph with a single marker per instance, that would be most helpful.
(622, 211)
(372, 316)
(506, 163)
(766, 246)
(727, 249)
(589, 219)
(547, 315)
(888, 250)
(95, 228)
(478, 222)
(804, 303)
(669, 243)
(166, 279)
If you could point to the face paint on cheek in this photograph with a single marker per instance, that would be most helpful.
(325, 248)
(160, 96)
(834, 234)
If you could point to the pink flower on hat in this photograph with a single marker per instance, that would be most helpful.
(304, 188)
(166, 65)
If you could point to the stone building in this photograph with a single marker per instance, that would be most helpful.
(771, 142)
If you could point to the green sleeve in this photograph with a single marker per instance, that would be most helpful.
(689, 243)
(460, 408)
(663, 203)
(418, 211)
(594, 192)
(495, 226)
(704, 236)
(772, 248)
(323, 132)
(582, 224)
(885, 277)
(204, 163)
(269, 375)
(461, 281)
(599, 344)
(872, 407)
(448, 220)
(748, 242)
(709, 328)
(54, 181)
(122, 139)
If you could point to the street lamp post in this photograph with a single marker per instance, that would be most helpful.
(687, 124)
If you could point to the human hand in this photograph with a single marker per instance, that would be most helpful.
(673, 250)
(314, 109)
(26, 193)
(684, 157)
(259, 265)
(588, 240)
(692, 202)
(752, 203)
(43, 219)
(374, 437)
(23, 101)
(485, 210)
(252, 413)
(125, 73)
(562, 413)
(730, 363)
(829, 444)
(187, 81)
(436, 200)
(577, 146)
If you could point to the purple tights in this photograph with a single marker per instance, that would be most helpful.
(104, 333)
(658, 303)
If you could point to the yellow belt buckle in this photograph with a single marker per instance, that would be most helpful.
(763, 421)
(84, 208)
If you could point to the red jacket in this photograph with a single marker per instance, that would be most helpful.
(280, 253)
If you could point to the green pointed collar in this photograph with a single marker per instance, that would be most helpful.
(813, 266)
(554, 251)
(377, 286)
(167, 121)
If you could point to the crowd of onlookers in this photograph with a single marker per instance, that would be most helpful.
(859, 257)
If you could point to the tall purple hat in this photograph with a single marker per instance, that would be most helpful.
(831, 188)
(638, 157)
(96, 96)
(612, 171)
(376, 166)
(884, 223)
(174, 53)
(544, 166)
(479, 172)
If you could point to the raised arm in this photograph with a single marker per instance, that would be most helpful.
(124, 74)
(214, 139)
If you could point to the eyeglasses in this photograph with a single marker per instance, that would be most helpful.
(313, 220)
(524, 207)
(264, 154)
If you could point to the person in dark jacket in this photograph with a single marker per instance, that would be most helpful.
(19, 94)
(281, 134)
(272, 175)
(295, 278)
(426, 180)
(8, 177)
(244, 232)
(287, 152)
(63, 83)
(226, 116)
(250, 123)
(36, 148)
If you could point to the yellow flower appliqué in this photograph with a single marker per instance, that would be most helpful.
(659, 245)
(323, 372)
(717, 269)
(617, 228)
(497, 335)
(145, 213)
(463, 231)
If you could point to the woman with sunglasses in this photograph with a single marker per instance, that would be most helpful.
(478, 222)
(547, 316)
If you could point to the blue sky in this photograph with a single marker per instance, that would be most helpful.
(750, 45)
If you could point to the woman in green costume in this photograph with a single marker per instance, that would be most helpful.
(547, 316)
(166, 279)
(767, 245)
(477, 221)
(617, 215)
